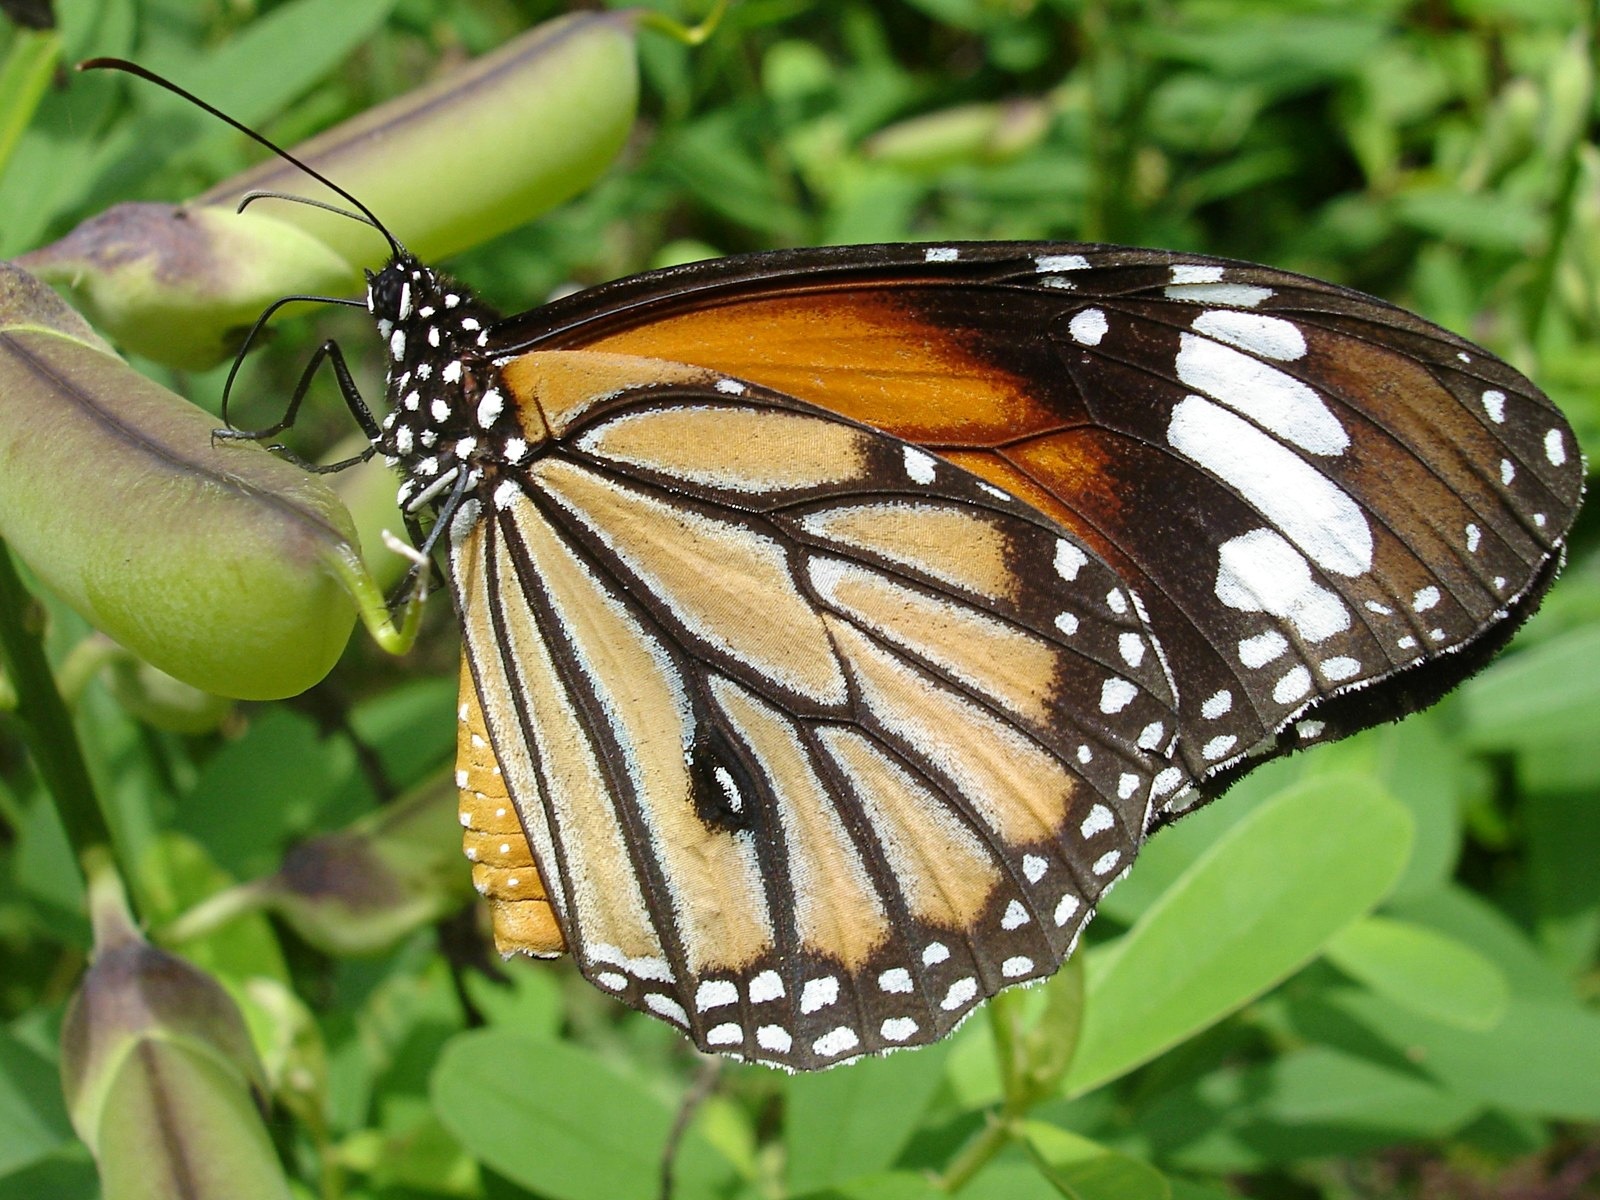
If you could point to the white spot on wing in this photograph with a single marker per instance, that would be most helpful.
(1131, 647)
(940, 254)
(1339, 668)
(836, 1042)
(1034, 867)
(920, 468)
(1069, 560)
(1270, 337)
(1261, 649)
(766, 986)
(715, 993)
(667, 1007)
(1017, 966)
(1272, 398)
(1260, 571)
(1048, 264)
(896, 979)
(1425, 599)
(1304, 505)
(961, 992)
(1234, 295)
(1088, 327)
(1014, 917)
(1066, 909)
(898, 1029)
(1116, 694)
(934, 953)
(1494, 403)
(1292, 686)
(1555, 448)
(819, 993)
(1217, 705)
(1098, 821)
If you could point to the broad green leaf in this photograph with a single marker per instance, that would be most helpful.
(1250, 912)
(1472, 920)
(1085, 1170)
(1010, 1181)
(1421, 969)
(1310, 1103)
(855, 1120)
(559, 1121)
(1542, 1059)
(1563, 833)
(1547, 693)
(888, 1185)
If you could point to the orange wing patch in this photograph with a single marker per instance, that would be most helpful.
(503, 869)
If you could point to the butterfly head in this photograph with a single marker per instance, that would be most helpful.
(446, 417)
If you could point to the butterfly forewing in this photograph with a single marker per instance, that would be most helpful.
(1312, 492)
(817, 738)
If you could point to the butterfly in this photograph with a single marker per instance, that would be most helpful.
(839, 622)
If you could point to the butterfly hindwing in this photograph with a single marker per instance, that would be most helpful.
(818, 739)
(1313, 492)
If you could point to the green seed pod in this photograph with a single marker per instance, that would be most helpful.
(522, 130)
(968, 133)
(149, 1033)
(362, 888)
(218, 563)
(505, 138)
(180, 285)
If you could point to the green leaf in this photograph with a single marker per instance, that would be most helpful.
(1428, 972)
(855, 1120)
(1010, 1181)
(1247, 914)
(1085, 1170)
(1311, 1103)
(1547, 693)
(887, 1185)
(33, 1119)
(561, 1122)
(1542, 1059)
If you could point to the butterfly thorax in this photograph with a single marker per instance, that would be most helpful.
(448, 414)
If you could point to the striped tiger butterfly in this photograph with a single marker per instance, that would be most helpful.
(838, 623)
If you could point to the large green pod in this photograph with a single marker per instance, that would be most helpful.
(449, 166)
(220, 564)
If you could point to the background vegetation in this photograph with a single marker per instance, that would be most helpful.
(1439, 153)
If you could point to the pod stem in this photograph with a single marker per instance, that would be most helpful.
(46, 725)
(688, 35)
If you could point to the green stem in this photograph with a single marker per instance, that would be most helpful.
(975, 1155)
(46, 724)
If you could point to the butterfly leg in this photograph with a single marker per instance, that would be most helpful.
(329, 351)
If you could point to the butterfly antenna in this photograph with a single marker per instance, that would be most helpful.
(366, 214)
(250, 198)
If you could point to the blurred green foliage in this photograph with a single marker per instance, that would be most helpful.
(1440, 154)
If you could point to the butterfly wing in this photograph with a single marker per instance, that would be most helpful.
(818, 739)
(1332, 509)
